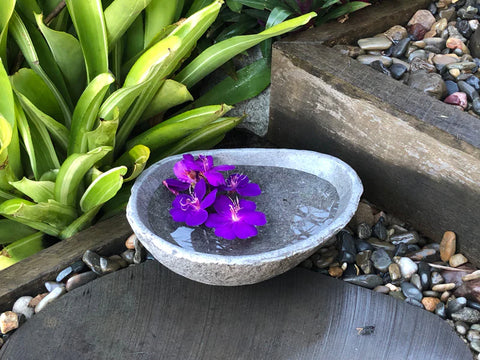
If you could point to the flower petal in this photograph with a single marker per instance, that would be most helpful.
(209, 199)
(178, 215)
(250, 189)
(244, 230)
(214, 178)
(197, 217)
(247, 205)
(222, 205)
(216, 220)
(253, 217)
(175, 186)
(200, 188)
(225, 232)
(179, 200)
(223, 167)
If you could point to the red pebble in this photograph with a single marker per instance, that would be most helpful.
(457, 98)
(417, 30)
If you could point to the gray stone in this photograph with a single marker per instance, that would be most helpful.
(21, 306)
(414, 302)
(411, 291)
(128, 255)
(362, 259)
(368, 59)
(381, 260)
(468, 315)
(448, 14)
(77, 266)
(461, 327)
(394, 272)
(417, 54)
(368, 281)
(379, 244)
(364, 231)
(53, 295)
(400, 48)
(436, 278)
(108, 266)
(92, 260)
(375, 43)
(473, 335)
(277, 248)
(79, 280)
(475, 345)
(455, 305)
(410, 237)
(415, 280)
(397, 71)
(429, 83)
(50, 285)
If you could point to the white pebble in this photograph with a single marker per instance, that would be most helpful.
(21, 306)
(54, 294)
(407, 267)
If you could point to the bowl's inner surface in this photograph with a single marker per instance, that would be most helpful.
(297, 205)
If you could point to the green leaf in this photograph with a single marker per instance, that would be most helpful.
(5, 196)
(67, 53)
(103, 188)
(72, 172)
(11, 230)
(7, 107)
(234, 5)
(86, 111)
(24, 247)
(7, 10)
(251, 81)
(329, 3)
(48, 217)
(89, 22)
(31, 85)
(58, 131)
(120, 14)
(134, 39)
(200, 140)
(178, 127)
(342, 10)
(38, 191)
(38, 144)
(277, 15)
(159, 14)
(135, 159)
(103, 135)
(160, 60)
(171, 94)
(245, 24)
(80, 223)
(24, 42)
(197, 6)
(218, 54)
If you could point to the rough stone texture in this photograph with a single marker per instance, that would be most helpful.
(418, 158)
(215, 268)
(161, 315)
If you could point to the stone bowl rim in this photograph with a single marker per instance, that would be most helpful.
(303, 246)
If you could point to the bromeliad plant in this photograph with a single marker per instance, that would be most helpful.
(78, 87)
(203, 185)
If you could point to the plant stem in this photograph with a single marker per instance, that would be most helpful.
(55, 12)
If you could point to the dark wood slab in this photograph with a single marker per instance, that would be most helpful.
(148, 312)
(418, 158)
(28, 276)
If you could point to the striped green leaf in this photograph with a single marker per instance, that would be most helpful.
(135, 159)
(89, 22)
(72, 172)
(80, 223)
(24, 247)
(7, 10)
(11, 230)
(103, 188)
(158, 14)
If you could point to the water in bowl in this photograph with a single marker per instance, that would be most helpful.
(297, 205)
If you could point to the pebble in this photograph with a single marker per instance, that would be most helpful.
(397, 295)
(461, 327)
(397, 71)
(9, 321)
(455, 305)
(452, 87)
(467, 315)
(130, 242)
(415, 302)
(430, 303)
(379, 244)
(369, 281)
(21, 306)
(423, 18)
(381, 260)
(443, 287)
(364, 231)
(457, 260)
(410, 237)
(440, 310)
(139, 255)
(394, 271)
(407, 267)
(396, 33)
(426, 254)
(473, 276)
(375, 43)
(415, 280)
(108, 266)
(457, 98)
(368, 59)
(34, 302)
(431, 293)
(362, 259)
(79, 280)
(473, 335)
(411, 291)
(475, 345)
(92, 260)
(424, 273)
(467, 89)
(378, 65)
(77, 266)
(436, 278)
(50, 285)
(55, 294)
(429, 83)
(445, 296)
(321, 263)
(335, 271)
(382, 289)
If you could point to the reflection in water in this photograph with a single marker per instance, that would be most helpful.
(297, 206)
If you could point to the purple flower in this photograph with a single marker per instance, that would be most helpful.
(238, 183)
(190, 208)
(210, 172)
(175, 186)
(235, 218)
(186, 170)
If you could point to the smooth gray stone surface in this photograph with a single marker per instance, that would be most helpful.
(307, 198)
(147, 312)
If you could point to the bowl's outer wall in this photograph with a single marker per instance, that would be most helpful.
(241, 270)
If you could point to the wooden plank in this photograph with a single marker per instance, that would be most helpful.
(28, 276)
(369, 21)
(148, 312)
(417, 157)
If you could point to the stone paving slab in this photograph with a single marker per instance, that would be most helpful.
(148, 312)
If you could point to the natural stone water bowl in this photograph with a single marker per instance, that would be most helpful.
(307, 198)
